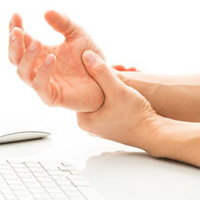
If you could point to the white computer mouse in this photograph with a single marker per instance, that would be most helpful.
(14, 128)
(21, 136)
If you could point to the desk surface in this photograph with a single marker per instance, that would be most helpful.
(116, 171)
(153, 44)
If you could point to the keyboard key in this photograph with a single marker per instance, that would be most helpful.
(89, 193)
(6, 190)
(80, 182)
(77, 197)
(43, 196)
(10, 197)
(54, 190)
(48, 184)
(21, 192)
(68, 167)
(58, 195)
(33, 164)
(42, 181)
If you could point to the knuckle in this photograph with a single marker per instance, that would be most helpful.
(23, 76)
(64, 26)
(20, 74)
(68, 28)
(51, 99)
(36, 86)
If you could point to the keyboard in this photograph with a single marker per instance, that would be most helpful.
(43, 181)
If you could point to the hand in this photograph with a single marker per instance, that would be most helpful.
(126, 116)
(62, 80)
(123, 69)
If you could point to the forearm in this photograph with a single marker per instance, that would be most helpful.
(175, 140)
(176, 97)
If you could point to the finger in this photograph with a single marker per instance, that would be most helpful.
(16, 21)
(97, 68)
(27, 40)
(28, 62)
(62, 24)
(42, 80)
(16, 46)
(131, 69)
(119, 67)
(122, 68)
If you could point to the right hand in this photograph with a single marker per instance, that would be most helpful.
(62, 80)
(126, 116)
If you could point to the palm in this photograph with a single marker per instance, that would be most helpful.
(75, 85)
(69, 85)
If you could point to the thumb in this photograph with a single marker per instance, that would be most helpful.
(97, 68)
(62, 24)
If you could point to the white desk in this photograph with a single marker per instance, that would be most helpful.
(152, 43)
(117, 172)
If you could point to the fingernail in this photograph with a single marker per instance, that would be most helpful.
(33, 46)
(92, 59)
(89, 57)
(48, 60)
(12, 35)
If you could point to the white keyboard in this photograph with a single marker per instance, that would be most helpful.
(43, 181)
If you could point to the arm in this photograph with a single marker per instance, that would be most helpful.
(176, 97)
(175, 140)
(127, 117)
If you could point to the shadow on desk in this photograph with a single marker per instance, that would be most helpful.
(127, 175)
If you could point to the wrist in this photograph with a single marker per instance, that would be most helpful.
(148, 135)
(155, 132)
(176, 140)
(146, 84)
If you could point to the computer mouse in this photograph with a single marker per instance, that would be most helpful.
(22, 136)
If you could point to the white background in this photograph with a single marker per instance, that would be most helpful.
(155, 36)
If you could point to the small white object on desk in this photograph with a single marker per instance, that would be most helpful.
(21, 136)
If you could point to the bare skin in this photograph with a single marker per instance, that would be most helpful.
(127, 117)
(106, 106)
(124, 111)
(67, 84)
(176, 97)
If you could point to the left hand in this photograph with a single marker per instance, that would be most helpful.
(123, 69)
(126, 116)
